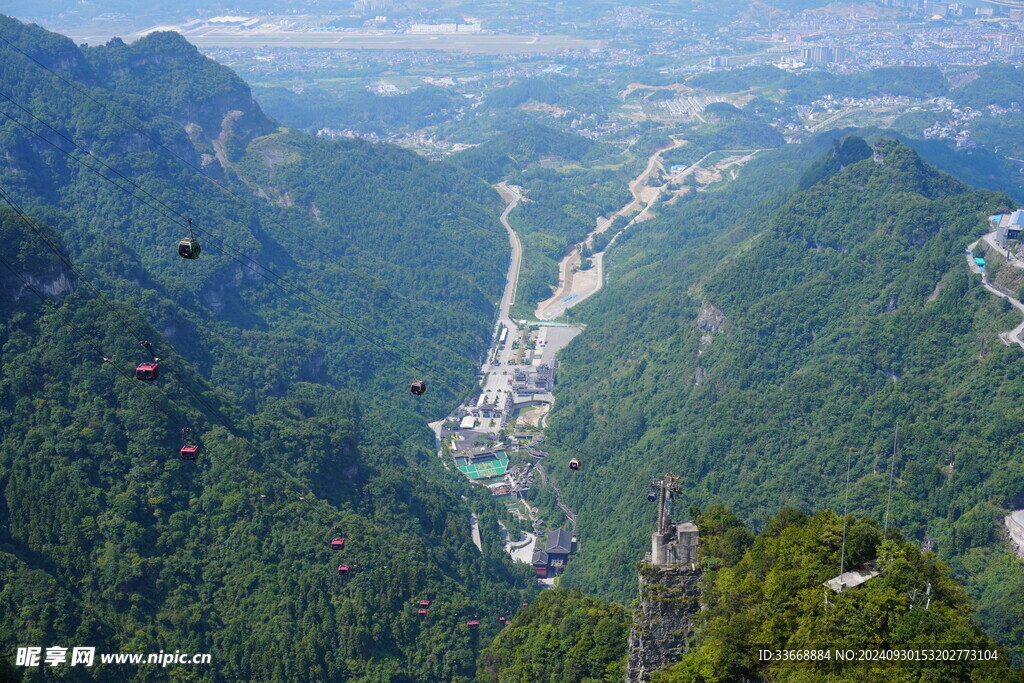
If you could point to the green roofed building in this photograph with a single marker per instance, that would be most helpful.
(494, 466)
(479, 455)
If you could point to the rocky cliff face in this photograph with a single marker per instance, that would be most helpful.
(208, 100)
(1015, 527)
(55, 281)
(664, 619)
(160, 91)
(710, 319)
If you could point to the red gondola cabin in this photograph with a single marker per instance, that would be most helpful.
(147, 372)
(343, 569)
(473, 623)
(189, 452)
(338, 544)
(424, 603)
(421, 612)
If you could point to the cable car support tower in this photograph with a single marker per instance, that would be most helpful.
(671, 543)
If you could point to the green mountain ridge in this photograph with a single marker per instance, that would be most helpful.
(522, 145)
(361, 110)
(754, 338)
(761, 594)
(564, 635)
(766, 593)
(764, 346)
(287, 348)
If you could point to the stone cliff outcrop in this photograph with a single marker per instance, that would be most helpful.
(664, 619)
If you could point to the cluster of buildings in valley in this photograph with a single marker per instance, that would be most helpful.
(829, 104)
(957, 126)
(519, 377)
(689, 105)
(895, 32)
(495, 439)
(841, 41)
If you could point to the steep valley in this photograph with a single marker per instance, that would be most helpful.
(797, 336)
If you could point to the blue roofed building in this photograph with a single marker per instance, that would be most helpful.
(1009, 227)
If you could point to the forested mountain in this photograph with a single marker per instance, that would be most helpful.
(752, 342)
(993, 84)
(552, 90)
(766, 593)
(563, 636)
(360, 110)
(286, 348)
(518, 147)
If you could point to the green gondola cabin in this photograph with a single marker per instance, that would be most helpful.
(189, 248)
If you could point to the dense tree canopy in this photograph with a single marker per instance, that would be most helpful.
(767, 594)
(286, 348)
(752, 342)
(563, 636)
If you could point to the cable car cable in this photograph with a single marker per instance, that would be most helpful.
(113, 309)
(465, 387)
(186, 163)
(128, 325)
(276, 282)
(417, 387)
(182, 160)
(263, 271)
(89, 339)
(86, 337)
(275, 279)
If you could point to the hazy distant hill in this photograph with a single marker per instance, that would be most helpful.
(911, 81)
(360, 110)
(518, 147)
(1000, 84)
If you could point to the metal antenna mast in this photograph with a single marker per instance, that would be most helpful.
(892, 469)
(846, 505)
(667, 484)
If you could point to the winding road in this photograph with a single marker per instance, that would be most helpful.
(511, 196)
(1011, 336)
(582, 284)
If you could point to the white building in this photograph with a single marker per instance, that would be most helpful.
(445, 28)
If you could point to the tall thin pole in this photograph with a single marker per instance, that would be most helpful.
(846, 505)
(661, 507)
(892, 469)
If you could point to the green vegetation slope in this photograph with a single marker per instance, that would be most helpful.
(563, 635)
(767, 594)
(287, 349)
(753, 347)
